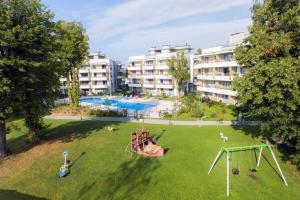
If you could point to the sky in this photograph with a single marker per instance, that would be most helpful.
(123, 28)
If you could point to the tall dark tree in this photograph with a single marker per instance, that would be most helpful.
(29, 59)
(74, 43)
(270, 90)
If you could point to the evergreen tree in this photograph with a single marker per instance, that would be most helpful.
(270, 90)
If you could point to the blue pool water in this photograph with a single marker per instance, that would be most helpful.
(117, 103)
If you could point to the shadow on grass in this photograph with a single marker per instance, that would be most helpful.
(76, 159)
(274, 169)
(66, 132)
(156, 137)
(75, 130)
(15, 195)
(286, 152)
(130, 180)
(253, 131)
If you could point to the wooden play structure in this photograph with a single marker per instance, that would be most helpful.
(141, 143)
(235, 171)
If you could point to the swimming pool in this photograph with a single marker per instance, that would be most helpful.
(117, 103)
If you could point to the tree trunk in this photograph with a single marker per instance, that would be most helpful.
(3, 152)
(69, 89)
(177, 97)
(31, 119)
(32, 125)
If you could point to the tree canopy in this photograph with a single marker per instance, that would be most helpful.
(179, 69)
(270, 90)
(74, 45)
(33, 55)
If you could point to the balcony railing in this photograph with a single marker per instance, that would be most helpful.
(164, 83)
(214, 61)
(222, 74)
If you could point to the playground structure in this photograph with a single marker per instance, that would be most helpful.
(141, 143)
(64, 169)
(235, 171)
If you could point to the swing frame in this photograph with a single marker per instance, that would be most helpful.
(228, 150)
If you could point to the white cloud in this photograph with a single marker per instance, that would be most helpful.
(138, 14)
(199, 35)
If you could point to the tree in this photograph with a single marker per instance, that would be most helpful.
(74, 43)
(270, 90)
(179, 69)
(29, 61)
(199, 51)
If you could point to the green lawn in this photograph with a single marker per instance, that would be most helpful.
(102, 170)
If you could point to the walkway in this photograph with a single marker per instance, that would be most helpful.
(155, 121)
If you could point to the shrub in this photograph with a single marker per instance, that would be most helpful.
(108, 113)
(213, 115)
(166, 115)
(223, 110)
(196, 110)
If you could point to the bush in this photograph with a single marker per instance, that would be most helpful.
(196, 110)
(223, 110)
(213, 115)
(166, 115)
(84, 111)
(108, 113)
(191, 104)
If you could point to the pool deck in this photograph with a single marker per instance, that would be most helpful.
(152, 112)
(156, 121)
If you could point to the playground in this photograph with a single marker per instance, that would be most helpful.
(102, 166)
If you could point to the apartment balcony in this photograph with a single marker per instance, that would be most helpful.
(134, 85)
(148, 85)
(135, 76)
(164, 86)
(217, 90)
(99, 78)
(163, 76)
(136, 64)
(216, 64)
(85, 86)
(148, 76)
(163, 66)
(216, 78)
(148, 67)
(100, 86)
(99, 70)
(84, 78)
(84, 70)
(134, 68)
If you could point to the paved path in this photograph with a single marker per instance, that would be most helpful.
(154, 121)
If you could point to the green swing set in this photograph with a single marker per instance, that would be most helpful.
(229, 150)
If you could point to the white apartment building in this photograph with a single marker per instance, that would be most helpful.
(99, 75)
(149, 74)
(215, 68)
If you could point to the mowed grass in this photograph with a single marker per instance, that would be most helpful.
(102, 170)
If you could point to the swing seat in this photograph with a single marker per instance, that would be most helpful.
(252, 170)
(235, 171)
